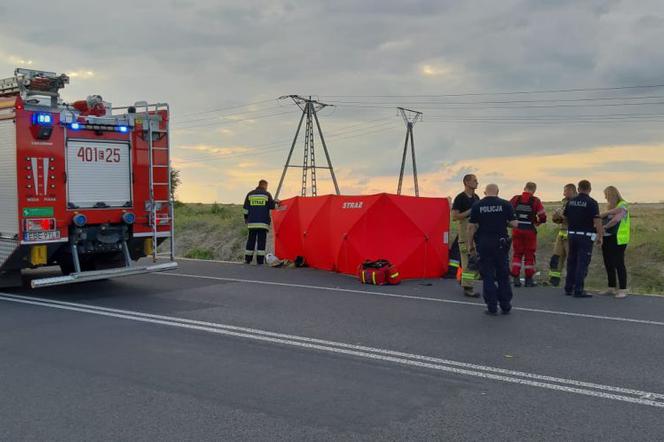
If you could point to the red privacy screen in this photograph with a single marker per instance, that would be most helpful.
(338, 232)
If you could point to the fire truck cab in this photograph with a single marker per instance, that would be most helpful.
(85, 186)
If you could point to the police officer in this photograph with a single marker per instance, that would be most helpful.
(584, 227)
(489, 219)
(257, 206)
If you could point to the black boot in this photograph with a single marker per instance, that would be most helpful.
(517, 281)
(530, 282)
(555, 281)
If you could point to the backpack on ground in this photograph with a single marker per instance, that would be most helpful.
(379, 272)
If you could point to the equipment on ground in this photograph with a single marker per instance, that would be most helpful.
(379, 272)
(84, 186)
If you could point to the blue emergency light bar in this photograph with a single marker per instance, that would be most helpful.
(99, 127)
(42, 119)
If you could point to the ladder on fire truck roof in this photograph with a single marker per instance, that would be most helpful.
(29, 82)
(151, 128)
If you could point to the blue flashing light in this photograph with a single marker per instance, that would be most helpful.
(75, 126)
(123, 129)
(128, 218)
(80, 220)
(42, 119)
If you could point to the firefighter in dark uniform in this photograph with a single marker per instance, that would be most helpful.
(584, 228)
(257, 206)
(489, 219)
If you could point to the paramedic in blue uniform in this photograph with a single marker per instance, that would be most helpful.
(257, 206)
(489, 219)
(584, 228)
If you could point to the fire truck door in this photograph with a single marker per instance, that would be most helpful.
(98, 174)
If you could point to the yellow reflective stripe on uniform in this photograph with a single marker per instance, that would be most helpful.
(364, 281)
(258, 226)
(563, 234)
(373, 277)
(453, 263)
(248, 252)
(258, 200)
(466, 275)
(260, 252)
(554, 274)
(624, 228)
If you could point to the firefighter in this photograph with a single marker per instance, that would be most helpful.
(488, 225)
(460, 213)
(560, 248)
(529, 213)
(584, 227)
(257, 206)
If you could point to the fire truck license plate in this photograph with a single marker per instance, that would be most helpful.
(42, 236)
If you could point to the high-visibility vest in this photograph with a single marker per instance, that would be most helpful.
(624, 228)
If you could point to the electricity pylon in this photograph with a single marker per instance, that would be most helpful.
(310, 110)
(410, 117)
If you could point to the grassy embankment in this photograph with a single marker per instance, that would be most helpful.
(217, 231)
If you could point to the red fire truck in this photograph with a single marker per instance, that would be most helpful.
(84, 185)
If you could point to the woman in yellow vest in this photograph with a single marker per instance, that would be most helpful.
(616, 238)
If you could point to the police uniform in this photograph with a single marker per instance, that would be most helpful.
(581, 213)
(492, 215)
(462, 203)
(257, 206)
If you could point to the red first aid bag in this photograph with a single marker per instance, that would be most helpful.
(372, 276)
(392, 275)
(378, 273)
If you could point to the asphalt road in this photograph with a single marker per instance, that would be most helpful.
(220, 351)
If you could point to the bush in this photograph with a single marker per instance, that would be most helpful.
(199, 253)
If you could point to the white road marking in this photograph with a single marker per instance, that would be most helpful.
(462, 368)
(418, 298)
(218, 261)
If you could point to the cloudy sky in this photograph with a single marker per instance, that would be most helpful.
(545, 90)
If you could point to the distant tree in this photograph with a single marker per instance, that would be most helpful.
(176, 180)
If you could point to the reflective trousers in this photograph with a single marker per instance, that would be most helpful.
(524, 246)
(257, 240)
(560, 252)
(467, 276)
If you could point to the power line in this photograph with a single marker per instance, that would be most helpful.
(221, 116)
(534, 91)
(346, 130)
(369, 105)
(219, 109)
(233, 121)
(266, 148)
(539, 100)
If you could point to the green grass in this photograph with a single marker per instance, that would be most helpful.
(210, 231)
(644, 256)
(217, 231)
